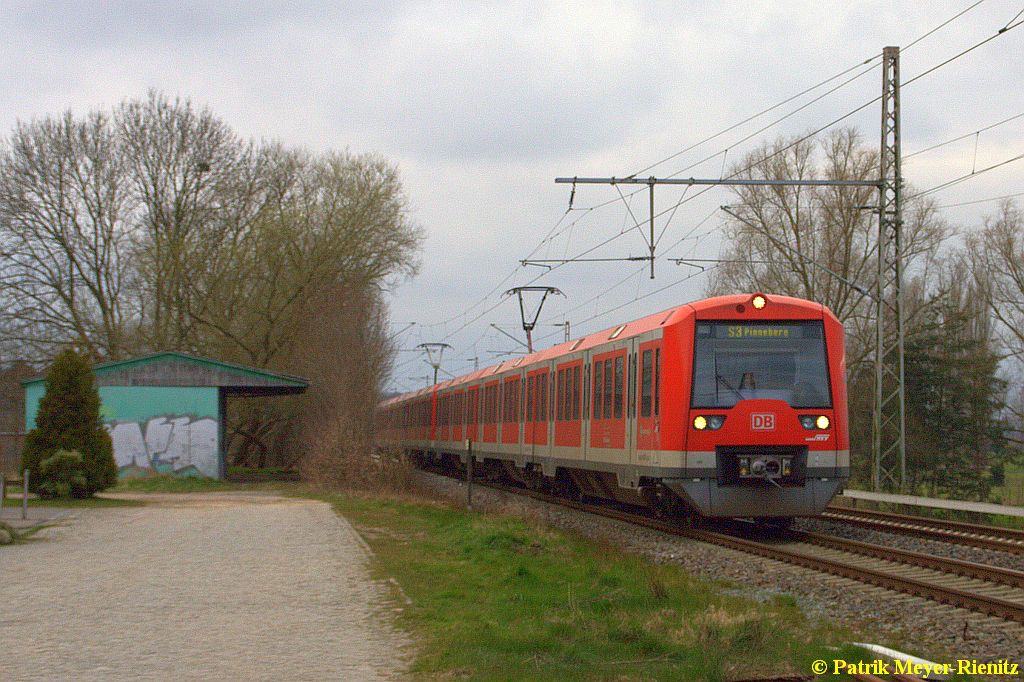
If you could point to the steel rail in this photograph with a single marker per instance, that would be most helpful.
(968, 569)
(1007, 540)
(992, 606)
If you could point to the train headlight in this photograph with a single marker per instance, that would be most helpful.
(744, 466)
(811, 422)
(711, 422)
(787, 466)
(758, 302)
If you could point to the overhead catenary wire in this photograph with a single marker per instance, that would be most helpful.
(965, 177)
(982, 201)
(858, 109)
(560, 226)
(554, 231)
(964, 136)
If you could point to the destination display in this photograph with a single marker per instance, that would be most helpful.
(725, 330)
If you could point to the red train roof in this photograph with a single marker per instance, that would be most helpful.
(629, 329)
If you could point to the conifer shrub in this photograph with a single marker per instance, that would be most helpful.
(69, 419)
(62, 475)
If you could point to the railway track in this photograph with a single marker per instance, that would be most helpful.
(983, 589)
(1010, 540)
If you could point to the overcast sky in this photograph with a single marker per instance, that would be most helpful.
(483, 105)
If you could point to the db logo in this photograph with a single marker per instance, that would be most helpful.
(764, 421)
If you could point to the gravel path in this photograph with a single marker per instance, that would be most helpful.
(924, 626)
(211, 586)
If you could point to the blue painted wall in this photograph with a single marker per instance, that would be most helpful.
(155, 429)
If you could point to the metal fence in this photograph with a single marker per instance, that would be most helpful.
(11, 445)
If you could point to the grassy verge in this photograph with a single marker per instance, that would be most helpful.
(174, 484)
(72, 503)
(496, 598)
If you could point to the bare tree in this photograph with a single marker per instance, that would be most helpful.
(157, 228)
(787, 232)
(997, 262)
(194, 181)
(65, 270)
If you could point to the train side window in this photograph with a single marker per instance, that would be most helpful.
(529, 398)
(607, 395)
(618, 387)
(515, 399)
(657, 381)
(576, 392)
(646, 382)
(542, 393)
(510, 401)
(598, 383)
(560, 409)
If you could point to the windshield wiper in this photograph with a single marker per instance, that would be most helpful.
(719, 377)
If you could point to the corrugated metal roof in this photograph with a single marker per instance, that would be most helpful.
(173, 368)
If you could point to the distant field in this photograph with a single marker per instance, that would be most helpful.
(498, 598)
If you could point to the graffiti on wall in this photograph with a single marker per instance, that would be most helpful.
(178, 445)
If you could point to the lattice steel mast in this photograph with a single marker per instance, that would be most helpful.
(889, 452)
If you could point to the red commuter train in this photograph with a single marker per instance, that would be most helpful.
(732, 406)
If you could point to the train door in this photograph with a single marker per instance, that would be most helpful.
(648, 407)
(472, 413)
(510, 411)
(586, 409)
(607, 418)
(459, 416)
(536, 410)
(549, 412)
(568, 423)
(490, 412)
(631, 425)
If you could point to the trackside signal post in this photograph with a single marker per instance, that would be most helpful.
(889, 446)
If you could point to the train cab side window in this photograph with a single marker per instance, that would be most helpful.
(598, 383)
(607, 394)
(646, 382)
(619, 362)
(569, 394)
(657, 381)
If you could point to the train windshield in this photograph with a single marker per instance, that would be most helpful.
(736, 361)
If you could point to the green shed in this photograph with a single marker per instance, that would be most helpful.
(165, 411)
